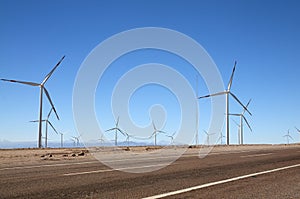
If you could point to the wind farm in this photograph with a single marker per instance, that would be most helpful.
(149, 100)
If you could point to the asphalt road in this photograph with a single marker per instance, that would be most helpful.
(270, 173)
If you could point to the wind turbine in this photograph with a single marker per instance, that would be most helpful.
(127, 138)
(76, 138)
(207, 136)
(288, 136)
(101, 139)
(47, 122)
(116, 129)
(155, 132)
(242, 118)
(221, 138)
(227, 93)
(74, 141)
(172, 137)
(42, 89)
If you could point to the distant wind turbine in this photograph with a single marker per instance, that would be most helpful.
(74, 141)
(172, 137)
(76, 138)
(227, 93)
(288, 137)
(242, 118)
(155, 132)
(101, 139)
(127, 138)
(46, 131)
(116, 129)
(221, 138)
(42, 89)
(207, 136)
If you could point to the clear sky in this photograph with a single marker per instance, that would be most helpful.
(263, 36)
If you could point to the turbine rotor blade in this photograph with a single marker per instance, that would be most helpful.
(117, 123)
(49, 98)
(215, 94)
(37, 121)
(235, 122)
(246, 106)
(121, 131)
(235, 97)
(49, 113)
(231, 77)
(162, 132)
(52, 126)
(51, 72)
(247, 123)
(110, 129)
(235, 114)
(154, 126)
(21, 82)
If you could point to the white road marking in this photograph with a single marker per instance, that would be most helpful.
(256, 155)
(109, 170)
(219, 182)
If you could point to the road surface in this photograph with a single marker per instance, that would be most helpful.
(273, 172)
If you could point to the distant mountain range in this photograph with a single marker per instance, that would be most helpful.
(5, 144)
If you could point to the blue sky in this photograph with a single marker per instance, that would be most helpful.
(263, 36)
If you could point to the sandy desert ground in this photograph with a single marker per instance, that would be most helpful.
(34, 155)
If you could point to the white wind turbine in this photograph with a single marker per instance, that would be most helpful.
(127, 138)
(171, 137)
(74, 141)
(116, 129)
(221, 138)
(46, 131)
(42, 89)
(227, 93)
(288, 137)
(76, 138)
(207, 136)
(241, 126)
(101, 139)
(155, 132)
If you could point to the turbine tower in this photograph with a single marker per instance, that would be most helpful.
(116, 129)
(61, 140)
(227, 93)
(42, 89)
(242, 118)
(197, 114)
